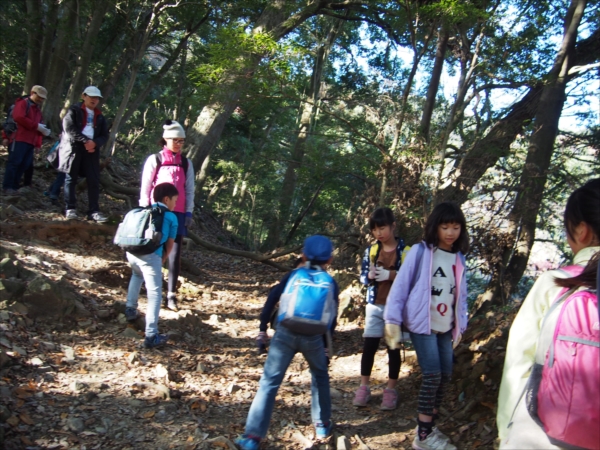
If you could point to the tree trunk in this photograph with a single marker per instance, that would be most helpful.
(144, 32)
(486, 152)
(465, 78)
(85, 55)
(50, 24)
(306, 119)
(434, 82)
(107, 87)
(204, 135)
(135, 104)
(59, 64)
(181, 83)
(298, 220)
(33, 71)
(523, 216)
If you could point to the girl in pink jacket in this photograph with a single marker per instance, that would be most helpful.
(170, 166)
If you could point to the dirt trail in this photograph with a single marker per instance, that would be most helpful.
(85, 382)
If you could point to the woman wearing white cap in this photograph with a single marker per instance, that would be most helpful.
(84, 132)
(170, 166)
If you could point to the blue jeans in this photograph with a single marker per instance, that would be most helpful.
(57, 185)
(284, 345)
(20, 158)
(434, 353)
(146, 268)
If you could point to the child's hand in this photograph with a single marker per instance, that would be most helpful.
(371, 275)
(456, 341)
(262, 341)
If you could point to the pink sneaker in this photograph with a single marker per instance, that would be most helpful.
(362, 396)
(390, 400)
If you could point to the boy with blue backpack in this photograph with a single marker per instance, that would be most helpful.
(148, 242)
(308, 299)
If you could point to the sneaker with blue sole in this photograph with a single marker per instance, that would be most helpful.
(158, 340)
(247, 443)
(322, 430)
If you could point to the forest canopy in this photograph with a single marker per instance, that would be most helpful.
(304, 116)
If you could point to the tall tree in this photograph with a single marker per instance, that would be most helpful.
(524, 213)
(34, 45)
(307, 115)
(59, 63)
(85, 54)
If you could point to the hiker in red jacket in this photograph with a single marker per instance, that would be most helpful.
(27, 115)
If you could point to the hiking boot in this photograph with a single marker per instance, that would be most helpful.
(97, 217)
(10, 191)
(71, 214)
(390, 400)
(362, 396)
(323, 431)
(247, 443)
(158, 340)
(433, 442)
(171, 303)
(131, 314)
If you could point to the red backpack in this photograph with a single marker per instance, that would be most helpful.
(563, 390)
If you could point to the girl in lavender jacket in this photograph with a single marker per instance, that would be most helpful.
(429, 296)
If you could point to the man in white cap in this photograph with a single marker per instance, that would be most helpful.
(84, 131)
(30, 129)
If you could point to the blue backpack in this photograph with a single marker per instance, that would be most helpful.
(140, 232)
(307, 305)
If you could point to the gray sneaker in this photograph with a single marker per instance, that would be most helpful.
(10, 191)
(71, 214)
(97, 217)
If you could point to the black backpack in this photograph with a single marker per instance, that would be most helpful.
(140, 232)
(10, 126)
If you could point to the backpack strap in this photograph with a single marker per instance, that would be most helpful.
(420, 250)
(598, 288)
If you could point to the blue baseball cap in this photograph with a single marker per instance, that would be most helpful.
(317, 248)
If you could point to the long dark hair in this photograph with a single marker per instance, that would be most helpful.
(583, 206)
(447, 212)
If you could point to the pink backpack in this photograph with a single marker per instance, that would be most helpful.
(563, 391)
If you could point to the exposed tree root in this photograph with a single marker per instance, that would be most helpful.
(107, 181)
(265, 259)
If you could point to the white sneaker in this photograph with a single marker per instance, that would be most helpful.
(97, 217)
(433, 442)
(71, 214)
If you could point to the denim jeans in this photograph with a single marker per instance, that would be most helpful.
(57, 185)
(20, 158)
(284, 345)
(146, 268)
(434, 353)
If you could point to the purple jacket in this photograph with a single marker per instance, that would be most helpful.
(409, 299)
